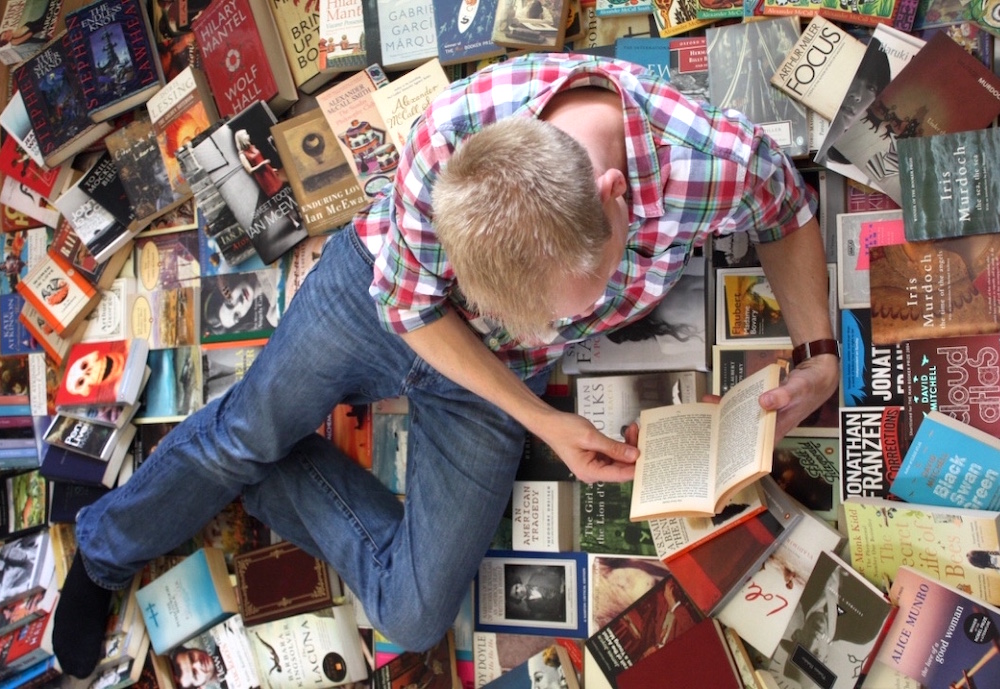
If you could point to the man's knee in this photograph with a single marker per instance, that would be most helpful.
(415, 627)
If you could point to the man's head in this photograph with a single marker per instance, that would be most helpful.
(192, 667)
(527, 225)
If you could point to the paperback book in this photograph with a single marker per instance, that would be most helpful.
(872, 445)
(464, 30)
(341, 43)
(103, 373)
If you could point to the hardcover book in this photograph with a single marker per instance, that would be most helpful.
(322, 182)
(683, 61)
(942, 89)
(187, 599)
(245, 168)
(550, 667)
(950, 463)
(234, 39)
(282, 580)
(952, 375)
(178, 112)
(294, 644)
(53, 96)
(341, 43)
(741, 58)
(761, 610)
(298, 24)
(657, 618)
(944, 542)
(101, 373)
(942, 637)
(701, 657)
(115, 53)
(530, 25)
(464, 30)
(837, 623)
(726, 446)
(872, 445)
(934, 288)
(950, 184)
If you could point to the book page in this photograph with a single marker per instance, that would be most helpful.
(676, 467)
(746, 431)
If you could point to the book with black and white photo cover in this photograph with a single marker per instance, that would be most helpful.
(530, 25)
(725, 447)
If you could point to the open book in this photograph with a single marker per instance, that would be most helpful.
(693, 457)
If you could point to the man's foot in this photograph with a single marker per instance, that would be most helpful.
(80, 619)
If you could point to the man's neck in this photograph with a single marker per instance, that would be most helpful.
(593, 116)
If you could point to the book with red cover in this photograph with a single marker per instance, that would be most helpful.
(698, 658)
(233, 38)
(282, 580)
(100, 373)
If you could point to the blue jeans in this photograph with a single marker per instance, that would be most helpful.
(410, 565)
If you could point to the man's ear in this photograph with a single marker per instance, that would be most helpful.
(611, 184)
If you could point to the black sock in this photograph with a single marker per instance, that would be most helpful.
(81, 616)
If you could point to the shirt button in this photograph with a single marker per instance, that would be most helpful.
(494, 342)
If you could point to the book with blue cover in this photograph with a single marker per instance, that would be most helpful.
(465, 30)
(951, 464)
(681, 60)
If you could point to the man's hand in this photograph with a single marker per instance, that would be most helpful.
(589, 454)
(807, 387)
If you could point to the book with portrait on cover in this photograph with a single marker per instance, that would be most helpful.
(724, 446)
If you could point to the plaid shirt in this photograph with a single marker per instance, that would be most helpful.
(693, 170)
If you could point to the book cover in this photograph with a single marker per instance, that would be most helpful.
(319, 649)
(341, 41)
(934, 288)
(532, 593)
(220, 657)
(298, 24)
(408, 37)
(530, 25)
(837, 623)
(54, 98)
(942, 89)
(761, 610)
(239, 306)
(496, 654)
(872, 445)
(465, 30)
(99, 373)
(604, 524)
(322, 182)
(744, 56)
(955, 376)
(949, 184)
(225, 363)
(942, 637)
(612, 8)
(857, 232)
(142, 171)
(35, 209)
(25, 647)
(64, 464)
(233, 39)
(806, 465)
(542, 516)
(31, 24)
(115, 56)
(683, 61)
(405, 98)
(187, 599)
(67, 499)
(818, 69)
(657, 618)
(436, 667)
(15, 338)
(61, 295)
(944, 542)
(359, 130)
(16, 163)
(282, 580)
(178, 112)
(859, 12)
(950, 463)
(550, 667)
(700, 657)
(23, 503)
(244, 166)
(167, 261)
(15, 122)
(674, 17)
(94, 440)
(26, 566)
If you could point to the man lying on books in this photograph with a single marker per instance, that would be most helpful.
(539, 202)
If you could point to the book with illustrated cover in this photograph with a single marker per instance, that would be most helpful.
(741, 58)
(464, 30)
(761, 610)
(857, 232)
(870, 374)
(952, 375)
(942, 89)
(950, 184)
(115, 53)
(950, 463)
(935, 288)
(806, 465)
(15, 162)
(604, 524)
(341, 42)
(245, 168)
(27, 564)
(683, 61)
(405, 98)
(657, 618)
(234, 39)
(100, 373)
(862, 13)
(53, 96)
(31, 24)
(322, 182)
(551, 667)
(941, 541)
(18, 197)
(15, 122)
(60, 294)
(726, 446)
(298, 25)
(837, 623)
(872, 446)
(942, 637)
(530, 26)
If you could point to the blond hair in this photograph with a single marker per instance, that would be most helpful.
(517, 211)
